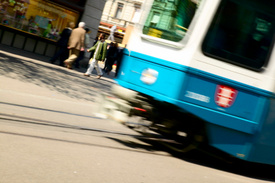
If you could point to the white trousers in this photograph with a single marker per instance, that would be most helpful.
(111, 37)
(94, 64)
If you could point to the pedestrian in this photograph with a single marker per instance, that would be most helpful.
(100, 54)
(111, 57)
(87, 44)
(95, 41)
(62, 43)
(76, 44)
(119, 60)
(112, 32)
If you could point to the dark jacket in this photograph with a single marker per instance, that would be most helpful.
(64, 37)
(112, 53)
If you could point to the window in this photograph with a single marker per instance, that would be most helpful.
(155, 19)
(36, 17)
(170, 19)
(119, 10)
(242, 33)
(136, 15)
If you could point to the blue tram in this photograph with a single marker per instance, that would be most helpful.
(206, 69)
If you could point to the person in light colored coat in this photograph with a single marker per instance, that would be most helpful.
(112, 32)
(87, 45)
(100, 54)
(75, 44)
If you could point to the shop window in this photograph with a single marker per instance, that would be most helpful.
(36, 17)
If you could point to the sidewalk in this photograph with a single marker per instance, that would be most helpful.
(21, 53)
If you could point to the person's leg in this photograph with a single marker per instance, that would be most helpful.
(63, 56)
(110, 65)
(106, 64)
(55, 57)
(90, 68)
(79, 58)
(73, 56)
(98, 69)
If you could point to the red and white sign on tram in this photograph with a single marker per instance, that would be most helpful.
(225, 96)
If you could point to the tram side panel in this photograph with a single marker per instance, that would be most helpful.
(263, 150)
(234, 114)
(239, 120)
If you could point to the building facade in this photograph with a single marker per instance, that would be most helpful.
(121, 13)
(34, 25)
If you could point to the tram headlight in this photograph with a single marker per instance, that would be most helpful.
(149, 76)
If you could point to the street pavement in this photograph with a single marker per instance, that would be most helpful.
(50, 133)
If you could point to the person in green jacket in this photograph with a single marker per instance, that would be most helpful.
(100, 49)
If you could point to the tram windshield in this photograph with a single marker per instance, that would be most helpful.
(170, 19)
(242, 33)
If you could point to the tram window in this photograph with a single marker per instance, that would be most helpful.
(242, 33)
(170, 19)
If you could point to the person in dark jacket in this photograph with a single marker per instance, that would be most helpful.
(111, 57)
(63, 51)
(119, 60)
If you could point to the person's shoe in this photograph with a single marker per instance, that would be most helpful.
(88, 75)
(67, 64)
(99, 76)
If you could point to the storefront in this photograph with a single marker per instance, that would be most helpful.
(34, 25)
